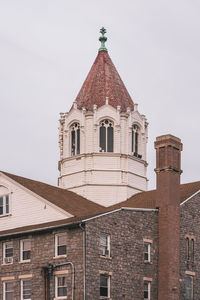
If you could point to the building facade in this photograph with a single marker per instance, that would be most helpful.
(101, 234)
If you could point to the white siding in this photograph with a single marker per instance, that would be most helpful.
(27, 209)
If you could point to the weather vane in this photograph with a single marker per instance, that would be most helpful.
(103, 39)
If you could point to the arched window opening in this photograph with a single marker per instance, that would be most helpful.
(187, 248)
(75, 139)
(192, 249)
(4, 205)
(135, 141)
(106, 136)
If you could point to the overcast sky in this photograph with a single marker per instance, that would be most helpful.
(47, 48)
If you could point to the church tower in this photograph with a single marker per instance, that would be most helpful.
(103, 138)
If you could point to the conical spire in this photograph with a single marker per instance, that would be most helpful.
(103, 81)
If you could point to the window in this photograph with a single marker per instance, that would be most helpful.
(192, 249)
(147, 289)
(147, 252)
(189, 288)
(106, 136)
(75, 139)
(104, 286)
(8, 290)
(26, 289)
(61, 287)
(7, 252)
(105, 244)
(25, 250)
(135, 141)
(187, 248)
(4, 205)
(61, 244)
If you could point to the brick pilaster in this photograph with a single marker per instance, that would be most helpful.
(168, 149)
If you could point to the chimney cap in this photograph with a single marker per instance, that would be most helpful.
(168, 140)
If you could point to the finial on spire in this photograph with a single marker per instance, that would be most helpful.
(103, 39)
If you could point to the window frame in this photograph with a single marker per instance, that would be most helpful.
(148, 289)
(107, 246)
(75, 127)
(5, 197)
(22, 250)
(4, 253)
(107, 124)
(148, 251)
(22, 288)
(56, 244)
(108, 285)
(4, 288)
(56, 287)
(192, 287)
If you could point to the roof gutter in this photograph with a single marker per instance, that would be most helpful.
(78, 222)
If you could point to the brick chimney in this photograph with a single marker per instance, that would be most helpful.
(168, 170)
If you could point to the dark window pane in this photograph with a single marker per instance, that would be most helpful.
(73, 142)
(136, 142)
(62, 250)
(132, 142)
(1, 205)
(26, 255)
(102, 139)
(78, 141)
(145, 294)
(104, 291)
(110, 139)
(9, 252)
(7, 204)
(62, 291)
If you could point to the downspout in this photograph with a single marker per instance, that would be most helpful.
(84, 261)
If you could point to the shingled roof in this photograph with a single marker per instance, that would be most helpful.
(148, 199)
(69, 201)
(104, 81)
(82, 208)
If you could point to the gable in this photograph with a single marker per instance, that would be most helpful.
(25, 207)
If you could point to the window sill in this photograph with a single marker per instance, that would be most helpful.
(4, 216)
(105, 257)
(24, 261)
(148, 262)
(60, 298)
(57, 257)
(4, 264)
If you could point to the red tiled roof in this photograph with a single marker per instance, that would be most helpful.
(103, 81)
(67, 200)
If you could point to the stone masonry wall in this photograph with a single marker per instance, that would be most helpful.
(42, 254)
(126, 264)
(190, 227)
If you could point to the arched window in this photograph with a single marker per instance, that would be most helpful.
(75, 139)
(187, 248)
(135, 141)
(4, 201)
(106, 136)
(192, 249)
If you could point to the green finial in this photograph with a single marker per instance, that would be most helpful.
(103, 39)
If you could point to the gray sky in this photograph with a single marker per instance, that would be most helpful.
(47, 49)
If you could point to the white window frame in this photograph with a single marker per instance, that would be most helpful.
(4, 253)
(56, 287)
(74, 127)
(149, 289)
(149, 252)
(108, 278)
(56, 245)
(4, 196)
(4, 288)
(106, 125)
(108, 244)
(192, 286)
(22, 288)
(21, 250)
